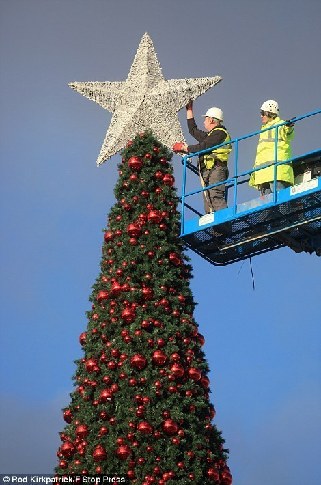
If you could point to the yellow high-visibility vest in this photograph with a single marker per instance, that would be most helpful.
(220, 153)
(265, 154)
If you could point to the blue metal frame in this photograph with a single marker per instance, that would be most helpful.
(237, 211)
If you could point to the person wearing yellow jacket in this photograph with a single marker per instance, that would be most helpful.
(265, 154)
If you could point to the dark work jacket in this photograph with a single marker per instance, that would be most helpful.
(205, 140)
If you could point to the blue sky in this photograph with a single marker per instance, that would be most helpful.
(263, 346)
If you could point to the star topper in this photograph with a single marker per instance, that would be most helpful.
(144, 101)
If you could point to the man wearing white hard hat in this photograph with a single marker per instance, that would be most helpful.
(213, 165)
(263, 179)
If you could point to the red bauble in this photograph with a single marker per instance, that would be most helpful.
(67, 449)
(138, 362)
(175, 259)
(190, 454)
(159, 357)
(170, 427)
(114, 388)
(172, 389)
(126, 287)
(168, 179)
(158, 384)
(99, 453)
(164, 302)
(212, 412)
(161, 342)
(135, 163)
(103, 430)
(82, 430)
(142, 218)
(146, 324)
(205, 381)
(133, 177)
(147, 293)
(154, 216)
(134, 230)
(194, 373)
(112, 365)
(163, 227)
(63, 464)
(116, 288)
(201, 339)
(140, 412)
(123, 452)
(128, 315)
(108, 236)
(102, 295)
(175, 357)
(177, 370)
(103, 415)
(225, 476)
(82, 338)
(133, 241)
(91, 365)
(159, 175)
(105, 395)
(67, 416)
(144, 427)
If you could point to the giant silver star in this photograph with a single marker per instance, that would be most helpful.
(144, 101)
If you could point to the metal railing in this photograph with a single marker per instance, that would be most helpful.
(235, 180)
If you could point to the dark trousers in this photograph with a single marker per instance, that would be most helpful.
(267, 187)
(214, 199)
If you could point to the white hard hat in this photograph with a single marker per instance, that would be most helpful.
(271, 106)
(216, 113)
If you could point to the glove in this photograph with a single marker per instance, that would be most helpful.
(289, 123)
(178, 147)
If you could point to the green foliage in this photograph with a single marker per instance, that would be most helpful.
(142, 308)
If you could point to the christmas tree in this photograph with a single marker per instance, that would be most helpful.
(141, 405)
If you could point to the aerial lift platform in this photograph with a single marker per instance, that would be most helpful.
(289, 217)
